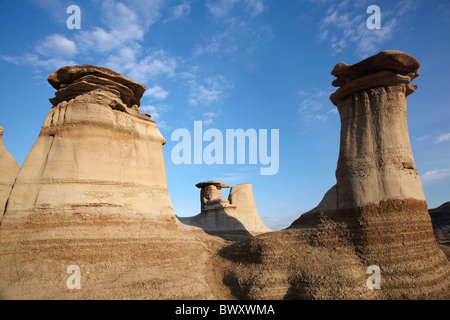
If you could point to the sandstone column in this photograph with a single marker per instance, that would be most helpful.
(8, 173)
(375, 215)
(96, 154)
(242, 197)
(375, 159)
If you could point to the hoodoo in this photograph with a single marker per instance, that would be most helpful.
(96, 153)
(375, 215)
(9, 168)
(92, 193)
(237, 214)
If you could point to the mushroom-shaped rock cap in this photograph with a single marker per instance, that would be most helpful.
(70, 74)
(386, 68)
(1, 131)
(392, 60)
(213, 183)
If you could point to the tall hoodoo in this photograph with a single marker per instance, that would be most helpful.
(92, 192)
(375, 215)
(96, 153)
(9, 168)
(375, 159)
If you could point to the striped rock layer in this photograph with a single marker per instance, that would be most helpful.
(92, 192)
(375, 215)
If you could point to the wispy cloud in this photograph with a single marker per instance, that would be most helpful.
(208, 118)
(179, 11)
(223, 8)
(435, 175)
(311, 106)
(156, 92)
(443, 138)
(344, 25)
(56, 45)
(37, 61)
(141, 67)
(212, 89)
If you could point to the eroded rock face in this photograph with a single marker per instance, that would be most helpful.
(9, 168)
(92, 192)
(376, 214)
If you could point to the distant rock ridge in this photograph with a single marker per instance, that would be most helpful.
(440, 218)
(375, 215)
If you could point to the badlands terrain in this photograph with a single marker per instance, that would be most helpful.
(93, 193)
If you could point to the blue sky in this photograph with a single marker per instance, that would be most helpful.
(250, 64)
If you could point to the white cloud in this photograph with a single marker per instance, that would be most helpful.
(435, 175)
(255, 7)
(223, 8)
(213, 89)
(345, 24)
(156, 92)
(443, 138)
(422, 138)
(128, 61)
(37, 61)
(223, 42)
(56, 45)
(179, 11)
(209, 117)
(154, 111)
(123, 26)
(311, 107)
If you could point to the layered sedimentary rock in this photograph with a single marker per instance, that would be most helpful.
(93, 157)
(9, 168)
(375, 215)
(92, 192)
(242, 197)
(237, 214)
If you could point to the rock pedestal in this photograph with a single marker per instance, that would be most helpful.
(237, 214)
(375, 215)
(242, 197)
(9, 168)
(92, 192)
(96, 154)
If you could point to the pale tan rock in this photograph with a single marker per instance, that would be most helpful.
(237, 214)
(375, 215)
(92, 192)
(242, 197)
(9, 168)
